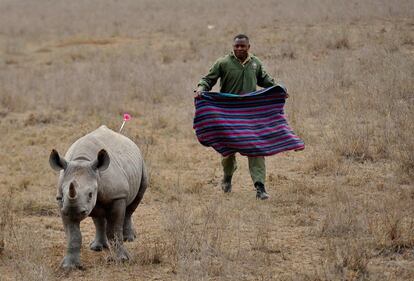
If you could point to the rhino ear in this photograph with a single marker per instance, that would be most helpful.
(102, 161)
(56, 162)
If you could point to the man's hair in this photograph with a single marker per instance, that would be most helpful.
(241, 36)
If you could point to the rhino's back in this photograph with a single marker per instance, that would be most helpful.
(123, 176)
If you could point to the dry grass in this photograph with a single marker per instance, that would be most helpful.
(20, 242)
(340, 210)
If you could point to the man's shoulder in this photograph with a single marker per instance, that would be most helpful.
(223, 62)
(223, 59)
(255, 59)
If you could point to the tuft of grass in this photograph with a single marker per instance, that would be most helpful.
(24, 252)
(393, 227)
(32, 207)
(37, 118)
(341, 43)
(348, 260)
(404, 156)
(323, 161)
(6, 218)
(195, 188)
(197, 238)
(342, 216)
(152, 253)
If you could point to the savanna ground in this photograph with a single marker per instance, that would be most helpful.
(340, 210)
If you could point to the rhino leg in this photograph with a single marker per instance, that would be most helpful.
(100, 241)
(114, 229)
(129, 232)
(74, 242)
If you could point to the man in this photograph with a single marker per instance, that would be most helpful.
(239, 72)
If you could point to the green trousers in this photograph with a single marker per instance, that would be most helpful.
(257, 167)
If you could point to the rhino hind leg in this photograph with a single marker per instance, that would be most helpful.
(101, 240)
(114, 229)
(129, 232)
(128, 229)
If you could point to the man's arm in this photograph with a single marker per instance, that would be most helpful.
(264, 80)
(207, 82)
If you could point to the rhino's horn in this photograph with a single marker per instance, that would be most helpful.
(72, 191)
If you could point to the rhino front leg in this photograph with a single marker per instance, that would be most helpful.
(114, 229)
(100, 241)
(74, 242)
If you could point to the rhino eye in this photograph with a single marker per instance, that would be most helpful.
(90, 195)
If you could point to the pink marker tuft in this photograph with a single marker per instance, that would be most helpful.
(127, 117)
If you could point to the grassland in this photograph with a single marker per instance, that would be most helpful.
(340, 210)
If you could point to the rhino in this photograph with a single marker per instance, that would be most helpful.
(103, 176)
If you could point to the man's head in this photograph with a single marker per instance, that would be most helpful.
(241, 46)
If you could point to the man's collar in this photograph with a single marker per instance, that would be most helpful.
(245, 61)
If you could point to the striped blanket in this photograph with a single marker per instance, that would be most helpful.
(252, 124)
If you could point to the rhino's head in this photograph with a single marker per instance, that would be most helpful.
(79, 183)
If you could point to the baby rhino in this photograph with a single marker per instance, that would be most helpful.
(103, 176)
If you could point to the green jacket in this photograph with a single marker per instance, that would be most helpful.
(236, 77)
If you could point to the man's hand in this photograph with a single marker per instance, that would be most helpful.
(197, 92)
(287, 95)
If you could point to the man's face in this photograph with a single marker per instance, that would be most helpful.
(241, 47)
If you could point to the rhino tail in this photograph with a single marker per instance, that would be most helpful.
(144, 180)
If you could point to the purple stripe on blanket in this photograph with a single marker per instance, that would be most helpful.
(252, 124)
(207, 109)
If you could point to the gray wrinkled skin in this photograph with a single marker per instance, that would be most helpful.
(103, 176)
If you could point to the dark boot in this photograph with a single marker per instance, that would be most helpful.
(260, 191)
(226, 184)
